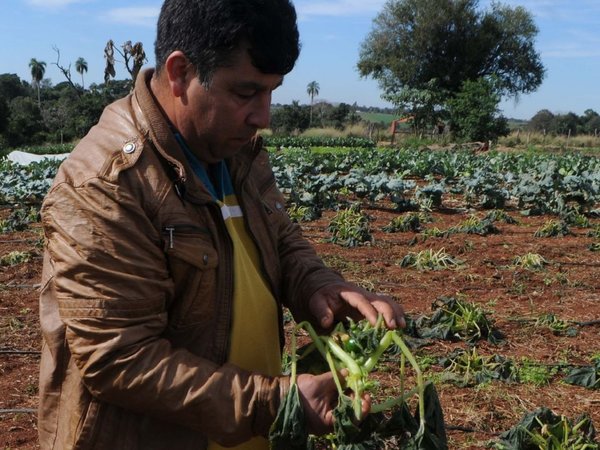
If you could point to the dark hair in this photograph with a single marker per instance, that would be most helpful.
(208, 32)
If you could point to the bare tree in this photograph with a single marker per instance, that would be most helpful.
(133, 56)
(66, 71)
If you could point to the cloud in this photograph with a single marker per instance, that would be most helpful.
(143, 16)
(312, 8)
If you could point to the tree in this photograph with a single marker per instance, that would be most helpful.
(590, 122)
(416, 41)
(312, 89)
(339, 114)
(38, 68)
(542, 121)
(422, 105)
(133, 56)
(11, 87)
(66, 71)
(566, 124)
(290, 118)
(81, 66)
(25, 125)
(4, 116)
(473, 112)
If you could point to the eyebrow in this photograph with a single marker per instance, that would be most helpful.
(257, 86)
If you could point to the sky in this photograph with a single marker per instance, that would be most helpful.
(331, 33)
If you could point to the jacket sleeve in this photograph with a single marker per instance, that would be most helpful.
(112, 288)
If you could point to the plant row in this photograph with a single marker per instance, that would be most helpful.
(533, 183)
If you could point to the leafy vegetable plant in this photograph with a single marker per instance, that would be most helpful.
(350, 227)
(475, 225)
(499, 215)
(455, 319)
(19, 219)
(469, 367)
(557, 325)
(530, 261)
(14, 258)
(587, 376)
(544, 430)
(357, 348)
(299, 213)
(407, 222)
(429, 260)
(553, 228)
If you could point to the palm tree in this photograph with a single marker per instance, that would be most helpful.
(81, 66)
(38, 68)
(312, 89)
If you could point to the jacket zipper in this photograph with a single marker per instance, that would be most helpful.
(225, 307)
(172, 230)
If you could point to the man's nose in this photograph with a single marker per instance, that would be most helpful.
(260, 114)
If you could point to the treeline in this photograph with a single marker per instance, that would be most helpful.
(64, 113)
(296, 118)
(569, 124)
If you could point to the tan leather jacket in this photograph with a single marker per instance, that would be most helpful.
(136, 294)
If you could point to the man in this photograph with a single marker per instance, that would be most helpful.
(170, 254)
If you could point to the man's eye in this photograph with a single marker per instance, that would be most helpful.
(245, 95)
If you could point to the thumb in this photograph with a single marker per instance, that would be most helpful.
(326, 317)
(322, 311)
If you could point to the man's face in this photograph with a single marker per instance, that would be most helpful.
(219, 120)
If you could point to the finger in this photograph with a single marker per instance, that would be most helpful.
(322, 307)
(328, 422)
(365, 405)
(392, 312)
(360, 303)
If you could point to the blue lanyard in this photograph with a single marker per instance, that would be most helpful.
(219, 170)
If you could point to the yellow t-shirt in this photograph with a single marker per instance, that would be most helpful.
(254, 334)
(254, 340)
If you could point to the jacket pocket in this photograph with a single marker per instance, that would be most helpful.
(90, 425)
(273, 203)
(193, 262)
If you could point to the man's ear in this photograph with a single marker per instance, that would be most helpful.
(177, 67)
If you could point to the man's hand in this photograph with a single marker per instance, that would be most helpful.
(337, 301)
(319, 397)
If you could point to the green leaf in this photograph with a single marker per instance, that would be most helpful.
(288, 432)
(588, 377)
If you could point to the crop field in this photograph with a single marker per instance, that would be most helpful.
(495, 258)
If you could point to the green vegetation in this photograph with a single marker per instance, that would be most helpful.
(467, 368)
(301, 213)
(499, 215)
(544, 430)
(430, 259)
(408, 222)
(455, 319)
(383, 118)
(350, 227)
(501, 47)
(475, 225)
(535, 373)
(553, 228)
(14, 258)
(530, 261)
(357, 349)
(317, 141)
(20, 219)
(557, 325)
